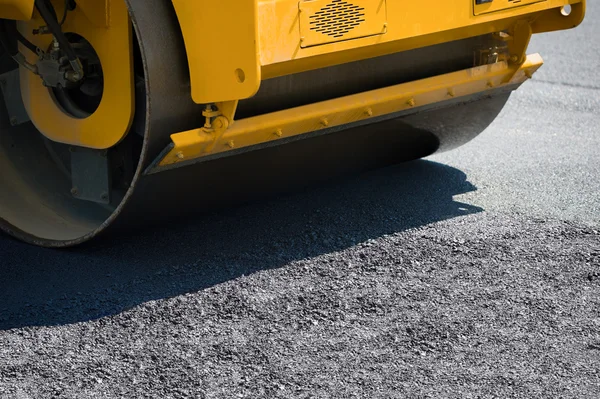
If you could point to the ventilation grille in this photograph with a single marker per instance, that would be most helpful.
(337, 19)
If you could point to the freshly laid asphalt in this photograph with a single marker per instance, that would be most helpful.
(474, 273)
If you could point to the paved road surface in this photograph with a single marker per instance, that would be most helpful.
(475, 273)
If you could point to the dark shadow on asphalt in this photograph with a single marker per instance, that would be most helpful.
(41, 287)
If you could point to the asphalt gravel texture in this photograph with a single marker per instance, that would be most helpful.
(471, 274)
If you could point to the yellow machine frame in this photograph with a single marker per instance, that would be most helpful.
(275, 44)
(265, 36)
(233, 45)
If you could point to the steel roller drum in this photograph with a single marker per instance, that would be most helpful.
(35, 200)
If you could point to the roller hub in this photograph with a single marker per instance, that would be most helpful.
(82, 98)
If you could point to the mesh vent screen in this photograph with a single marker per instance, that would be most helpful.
(337, 18)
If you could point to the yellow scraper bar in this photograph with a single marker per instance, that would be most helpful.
(263, 129)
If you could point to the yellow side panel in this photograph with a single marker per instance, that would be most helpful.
(16, 9)
(410, 24)
(232, 45)
(221, 40)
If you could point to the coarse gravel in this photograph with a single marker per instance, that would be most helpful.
(483, 306)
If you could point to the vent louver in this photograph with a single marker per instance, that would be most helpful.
(337, 19)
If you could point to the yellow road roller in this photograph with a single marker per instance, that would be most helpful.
(119, 113)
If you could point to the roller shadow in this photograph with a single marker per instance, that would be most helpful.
(46, 287)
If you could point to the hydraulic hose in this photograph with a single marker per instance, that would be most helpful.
(48, 13)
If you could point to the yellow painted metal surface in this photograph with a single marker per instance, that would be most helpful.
(221, 39)
(16, 9)
(410, 24)
(262, 39)
(363, 106)
(499, 5)
(105, 24)
(550, 20)
(97, 11)
(329, 21)
(234, 44)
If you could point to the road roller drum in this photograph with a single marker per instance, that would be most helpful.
(117, 114)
